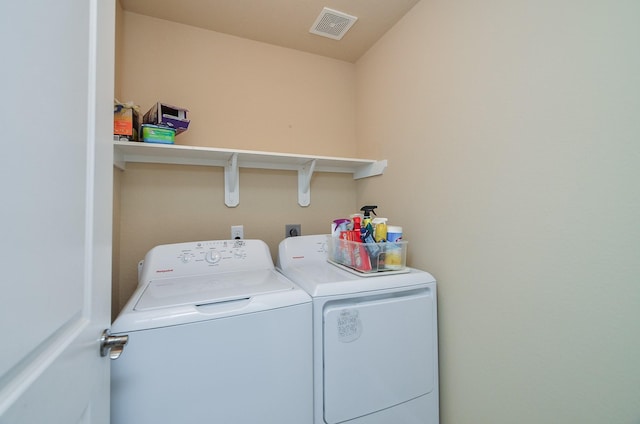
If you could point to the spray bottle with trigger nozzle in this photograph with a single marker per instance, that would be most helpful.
(366, 229)
(366, 233)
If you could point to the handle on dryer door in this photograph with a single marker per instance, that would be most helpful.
(112, 345)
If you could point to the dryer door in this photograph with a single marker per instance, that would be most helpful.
(378, 352)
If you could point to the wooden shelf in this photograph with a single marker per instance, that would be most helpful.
(232, 160)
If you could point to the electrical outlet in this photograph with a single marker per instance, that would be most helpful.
(292, 230)
(237, 232)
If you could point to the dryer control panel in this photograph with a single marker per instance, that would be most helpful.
(205, 257)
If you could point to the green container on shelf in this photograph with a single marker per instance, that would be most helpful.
(157, 134)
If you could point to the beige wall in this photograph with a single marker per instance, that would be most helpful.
(511, 131)
(512, 134)
(173, 203)
(241, 94)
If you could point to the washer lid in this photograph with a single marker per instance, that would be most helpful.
(213, 288)
(325, 279)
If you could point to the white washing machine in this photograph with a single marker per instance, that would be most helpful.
(216, 335)
(375, 350)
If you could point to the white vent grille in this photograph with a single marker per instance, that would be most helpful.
(332, 24)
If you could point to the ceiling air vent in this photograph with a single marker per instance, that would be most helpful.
(332, 24)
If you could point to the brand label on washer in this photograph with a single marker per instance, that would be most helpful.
(349, 326)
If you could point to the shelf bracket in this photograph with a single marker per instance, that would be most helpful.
(304, 182)
(232, 182)
(118, 160)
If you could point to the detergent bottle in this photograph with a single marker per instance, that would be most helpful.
(380, 229)
(360, 260)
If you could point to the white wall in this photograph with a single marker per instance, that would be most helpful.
(512, 131)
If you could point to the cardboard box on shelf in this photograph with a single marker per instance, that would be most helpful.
(168, 116)
(125, 122)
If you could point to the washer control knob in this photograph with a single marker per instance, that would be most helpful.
(212, 256)
(186, 257)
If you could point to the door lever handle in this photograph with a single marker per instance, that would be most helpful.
(112, 345)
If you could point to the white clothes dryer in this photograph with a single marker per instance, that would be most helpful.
(216, 335)
(375, 350)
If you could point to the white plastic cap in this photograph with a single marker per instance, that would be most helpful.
(394, 229)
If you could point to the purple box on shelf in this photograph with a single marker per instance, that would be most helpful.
(168, 116)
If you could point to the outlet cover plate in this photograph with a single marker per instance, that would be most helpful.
(292, 230)
(237, 232)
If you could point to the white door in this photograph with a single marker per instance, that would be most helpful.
(56, 117)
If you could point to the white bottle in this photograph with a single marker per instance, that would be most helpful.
(394, 233)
